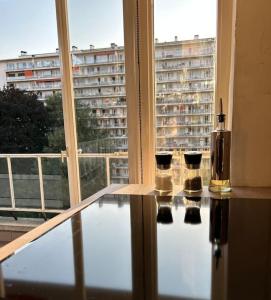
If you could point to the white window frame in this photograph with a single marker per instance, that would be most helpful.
(140, 85)
(139, 63)
(68, 102)
(140, 91)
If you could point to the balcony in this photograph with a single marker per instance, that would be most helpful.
(183, 124)
(33, 66)
(99, 95)
(102, 62)
(100, 84)
(32, 78)
(110, 116)
(41, 87)
(120, 104)
(185, 79)
(187, 54)
(182, 135)
(183, 113)
(177, 146)
(176, 101)
(98, 73)
(109, 126)
(33, 183)
(179, 66)
(181, 89)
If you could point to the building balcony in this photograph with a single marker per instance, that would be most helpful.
(184, 124)
(33, 78)
(99, 63)
(109, 116)
(183, 113)
(183, 135)
(100, 84)
(181, 90)
(33, 67)
(178, 67)
(108, 105)
(177, 146)
(48, 87)
(112, 126)
(98, 73)
(205, 53)
(34, 183)
(186, 79)
(100, 95)
(173, 102)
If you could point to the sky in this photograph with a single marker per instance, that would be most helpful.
(30, 25)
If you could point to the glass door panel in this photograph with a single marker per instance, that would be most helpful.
(96, 35)
(185, 72)
(31, 116)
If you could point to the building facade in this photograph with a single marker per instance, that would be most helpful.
(184, 90)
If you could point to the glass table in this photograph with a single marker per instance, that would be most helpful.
(148, 247)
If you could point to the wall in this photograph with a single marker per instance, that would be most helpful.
(251, 95)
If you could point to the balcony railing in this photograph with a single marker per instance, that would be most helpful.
(178, 54)
(116, 168)
(179, 135)
(40, 176)
(189, 78)
(99, 73)
(181, 113)
(184, 66)
(177, 124)
(172, 101)
(95, 84)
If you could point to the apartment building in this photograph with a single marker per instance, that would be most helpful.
(184, 91)
(184, 88)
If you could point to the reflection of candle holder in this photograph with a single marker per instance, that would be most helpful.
(192, 210)
(164, 215)
(219, 218)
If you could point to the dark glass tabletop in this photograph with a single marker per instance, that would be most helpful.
(149, 247)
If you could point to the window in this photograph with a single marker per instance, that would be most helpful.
(98, 134)
(184, 69)
(185, 62)
(32, 173)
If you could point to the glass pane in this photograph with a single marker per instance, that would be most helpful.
(119, 170)
(92, 175)
(185, 60)
(5, 199)
(26, 182)
(55, 183)
(186, 257)
(96, 33)
(31, 116)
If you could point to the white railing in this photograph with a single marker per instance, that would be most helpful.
(10, 175)
(178, 164)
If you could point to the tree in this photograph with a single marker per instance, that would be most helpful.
(89, 137)
(23, 122)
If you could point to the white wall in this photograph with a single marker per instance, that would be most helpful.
(251, 111)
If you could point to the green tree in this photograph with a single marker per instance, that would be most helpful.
(23, 122)
(90, 139)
